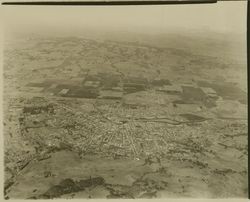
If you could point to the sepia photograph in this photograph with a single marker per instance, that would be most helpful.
(125, 102)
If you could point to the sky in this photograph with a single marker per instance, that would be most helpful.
(225, 17)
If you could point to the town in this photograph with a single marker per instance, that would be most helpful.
(121, 102)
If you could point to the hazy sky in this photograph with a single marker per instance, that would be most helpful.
(222, 17)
